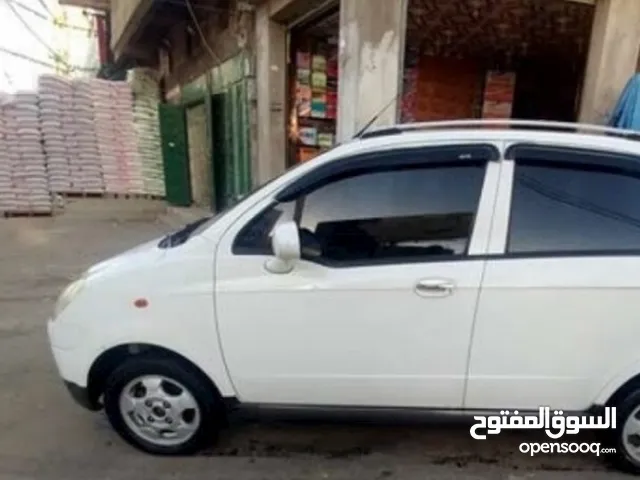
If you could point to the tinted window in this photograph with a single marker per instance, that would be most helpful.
(385, 215)
(573, 209)
(255, 238)
(395, 214)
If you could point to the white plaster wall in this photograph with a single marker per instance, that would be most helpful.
(613, 57)
(271, 83)
(371, 59)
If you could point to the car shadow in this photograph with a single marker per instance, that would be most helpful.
(416, 437)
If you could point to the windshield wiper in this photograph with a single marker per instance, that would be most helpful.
(181, 236)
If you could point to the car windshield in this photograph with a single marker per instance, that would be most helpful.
(197, 227)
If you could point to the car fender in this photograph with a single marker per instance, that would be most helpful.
(618, 380)
(209, 360)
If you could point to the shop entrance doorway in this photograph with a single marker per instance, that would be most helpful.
(495, 59)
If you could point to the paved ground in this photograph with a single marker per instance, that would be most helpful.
(45, 435)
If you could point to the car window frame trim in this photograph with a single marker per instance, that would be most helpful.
(372, 162)
(369, 162)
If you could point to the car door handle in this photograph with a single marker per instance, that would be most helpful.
(434, 288)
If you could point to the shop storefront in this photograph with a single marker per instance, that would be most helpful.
(495, 59)
(468, 59)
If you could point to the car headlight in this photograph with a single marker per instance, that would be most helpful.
(68, 295)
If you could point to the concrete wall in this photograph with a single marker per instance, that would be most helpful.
(271, 74)
(371, 57)
(227, 33)
(613, 57)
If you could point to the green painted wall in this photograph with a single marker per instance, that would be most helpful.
(224, 91)
(195, 91)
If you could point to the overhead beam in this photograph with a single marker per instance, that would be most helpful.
(103, 5)
(128, 19)
(288, 11)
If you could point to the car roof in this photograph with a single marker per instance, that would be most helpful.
(593, 137)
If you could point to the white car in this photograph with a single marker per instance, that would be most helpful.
(445, 266)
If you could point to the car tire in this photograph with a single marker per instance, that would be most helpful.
(623, 437)
(163, 406)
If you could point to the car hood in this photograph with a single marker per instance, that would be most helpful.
(141, 255)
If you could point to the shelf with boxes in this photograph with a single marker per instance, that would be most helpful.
(315, 98)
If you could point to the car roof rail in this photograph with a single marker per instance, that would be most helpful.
(518, 124)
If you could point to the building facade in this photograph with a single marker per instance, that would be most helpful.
(265, 84)
(203, 52)
(421, 60)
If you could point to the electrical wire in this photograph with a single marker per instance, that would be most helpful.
(215, 57)
(8, 77)
(54, 54)
(72, 27)
(26, 57)
(33, 32)
(30, 10)
(40, 62)
(46, 7)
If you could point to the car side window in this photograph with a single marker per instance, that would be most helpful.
(255, 237)
(388, 215)
(574, 208)
(391, 215)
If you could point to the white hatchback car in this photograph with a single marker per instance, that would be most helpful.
(439, 266)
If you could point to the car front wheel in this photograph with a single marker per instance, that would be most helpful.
(626, 436)
(162, 406)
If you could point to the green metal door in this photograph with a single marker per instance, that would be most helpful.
(241, 137)
(231, 142)
(175, 155)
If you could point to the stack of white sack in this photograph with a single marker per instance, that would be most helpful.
(7, 195)
(85, 162)
(116, 137)
(55, 113)
(146, 97)
(114, 173)
(28, 169)
(127, 147)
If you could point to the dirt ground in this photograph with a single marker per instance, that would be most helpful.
(45, 435)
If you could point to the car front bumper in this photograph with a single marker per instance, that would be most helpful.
(65, 343)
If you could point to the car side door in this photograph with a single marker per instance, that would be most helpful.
(379, 311)
(558, 310)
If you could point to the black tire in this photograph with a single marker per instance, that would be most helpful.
(209, 403)
(622, 459)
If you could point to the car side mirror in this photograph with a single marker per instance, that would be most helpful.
(286, 248)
